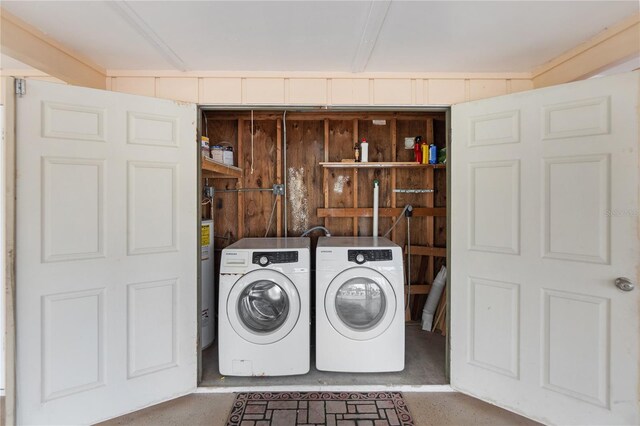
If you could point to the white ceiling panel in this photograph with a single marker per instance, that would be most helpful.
(259, 36)
(485, 36)
(413, 36)
(91, 28)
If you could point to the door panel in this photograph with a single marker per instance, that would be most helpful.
(106, 253)
(544, 219)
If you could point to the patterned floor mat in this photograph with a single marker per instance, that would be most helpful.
(320, 408)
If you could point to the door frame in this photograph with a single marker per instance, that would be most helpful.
(446, 109)
(8, 155)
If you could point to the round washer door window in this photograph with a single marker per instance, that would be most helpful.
(360, 303)
(263, 306)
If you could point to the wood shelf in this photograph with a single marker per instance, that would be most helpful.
(382, 165)
(213, 169)
(382, 212)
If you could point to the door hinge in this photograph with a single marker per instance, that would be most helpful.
(21, 86)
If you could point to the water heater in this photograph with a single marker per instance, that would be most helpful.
(207, 284)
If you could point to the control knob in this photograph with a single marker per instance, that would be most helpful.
(360, 259)
(263, 261)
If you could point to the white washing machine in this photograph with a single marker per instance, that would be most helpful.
(359, 305)
(264, 306)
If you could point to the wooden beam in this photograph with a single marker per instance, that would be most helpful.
(417, 289)
(240, 185)
(316, 115)
(325, 171)
(394, 173)
(355, 183)
(612, 46)
(381, 165)
(29, 45)
(279, 175)
(382, 212)
(427, 251)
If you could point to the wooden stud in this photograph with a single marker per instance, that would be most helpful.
(240, 184)
(355, 180)
(429, 202)
(394, 157)
(325, 171)
(429, 131)
(279, 175)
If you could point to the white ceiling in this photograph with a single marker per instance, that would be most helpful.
(398, 36)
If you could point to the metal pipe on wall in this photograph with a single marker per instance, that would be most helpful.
(376, 192)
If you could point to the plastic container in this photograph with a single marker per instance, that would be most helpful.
(433, 154)
(424, 153)
(217, 153)
(205, 151)
(228, 156)
(364, 151)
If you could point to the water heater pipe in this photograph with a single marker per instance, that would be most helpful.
(376, 192)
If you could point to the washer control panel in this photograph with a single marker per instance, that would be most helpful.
(361, 256)
(269, 257)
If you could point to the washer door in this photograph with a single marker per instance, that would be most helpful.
(263, 306)
(360, 303)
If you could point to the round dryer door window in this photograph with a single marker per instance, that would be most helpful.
(263, 306)
(360, 303)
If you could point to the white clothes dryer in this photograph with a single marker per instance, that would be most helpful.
(264, 307)
(359, 305)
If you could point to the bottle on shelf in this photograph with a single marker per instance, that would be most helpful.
(433, 154)
(356, 152)
(417, 150)
(425, 152)
(364, 151)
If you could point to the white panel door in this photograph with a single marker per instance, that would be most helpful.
(106, 253)
(544, 218)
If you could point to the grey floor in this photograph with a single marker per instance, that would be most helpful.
(424, 365)
(427, 409)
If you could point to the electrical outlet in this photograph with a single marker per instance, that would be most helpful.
(278, 189)
(409, 142)
(208, 191)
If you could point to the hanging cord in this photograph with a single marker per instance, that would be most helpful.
(251, 141)
(408, 206)
(327, 233)
(273, 209)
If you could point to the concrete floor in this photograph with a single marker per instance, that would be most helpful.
(424, 365)
(427, 409)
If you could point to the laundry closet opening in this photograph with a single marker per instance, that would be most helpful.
(276, 173)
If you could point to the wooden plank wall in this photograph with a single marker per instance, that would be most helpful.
(316, 137)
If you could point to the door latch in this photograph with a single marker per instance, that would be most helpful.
(624, 284)
(21, 86)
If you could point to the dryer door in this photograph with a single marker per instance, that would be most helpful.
(263, 306)
(360, 303)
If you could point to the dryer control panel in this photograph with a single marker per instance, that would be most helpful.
(269, 257)
(361, 256)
